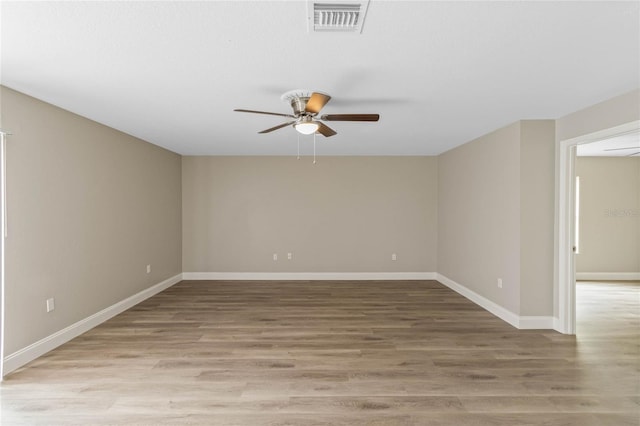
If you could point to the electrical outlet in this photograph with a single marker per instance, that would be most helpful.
(394, 257)
(499, 282)
(148, 269)
(51, 305)
(289, 256)
(275, 256)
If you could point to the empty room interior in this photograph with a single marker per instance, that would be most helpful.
(320, 213)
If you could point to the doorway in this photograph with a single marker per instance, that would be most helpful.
(565, 272)
(608, 257)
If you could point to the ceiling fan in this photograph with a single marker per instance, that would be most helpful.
(306, 107)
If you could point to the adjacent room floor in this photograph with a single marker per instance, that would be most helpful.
(336, 353)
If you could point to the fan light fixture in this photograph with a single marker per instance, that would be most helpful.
(307, 128)
(306, 125)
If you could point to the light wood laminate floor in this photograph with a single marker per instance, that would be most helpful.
(336, 353)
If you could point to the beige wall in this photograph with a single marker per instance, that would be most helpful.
(537, 185)
(609, 214)
(495, 211)
(479, 216)
(344, 214)
(613, 112)
(88, 209)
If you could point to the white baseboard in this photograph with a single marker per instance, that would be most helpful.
(307, 276)
(608, 276)
(42, 346)
(519, 322)
(494, 308)
(557, 326)
(536, 323)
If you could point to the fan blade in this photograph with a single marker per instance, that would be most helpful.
(620, 149)
(280, 126)
(264, 112)
(350, 117)
(316, 102)
(635, 153)
(325, 130)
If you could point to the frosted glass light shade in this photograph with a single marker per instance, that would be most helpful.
(307, 128)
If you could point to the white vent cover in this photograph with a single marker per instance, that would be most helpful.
(336, 15)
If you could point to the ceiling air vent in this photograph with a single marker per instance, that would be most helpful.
(337, 16)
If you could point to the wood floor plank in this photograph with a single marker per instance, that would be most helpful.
(336, 353)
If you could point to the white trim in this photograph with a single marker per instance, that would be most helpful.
(565, 237)
(307, 276)
(608, 276)
(536, 323)
(42, 346)
(564, 267)
(3, 236)
(497, 310)
(519, 322)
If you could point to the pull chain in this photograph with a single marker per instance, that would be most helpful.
(298, 146)
(314, 148)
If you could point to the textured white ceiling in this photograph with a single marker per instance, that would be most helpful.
(438, 73)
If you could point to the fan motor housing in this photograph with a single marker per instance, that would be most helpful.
(298, 100)
(299, 105)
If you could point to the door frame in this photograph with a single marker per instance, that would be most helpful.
(564, 271)
(3, 236)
